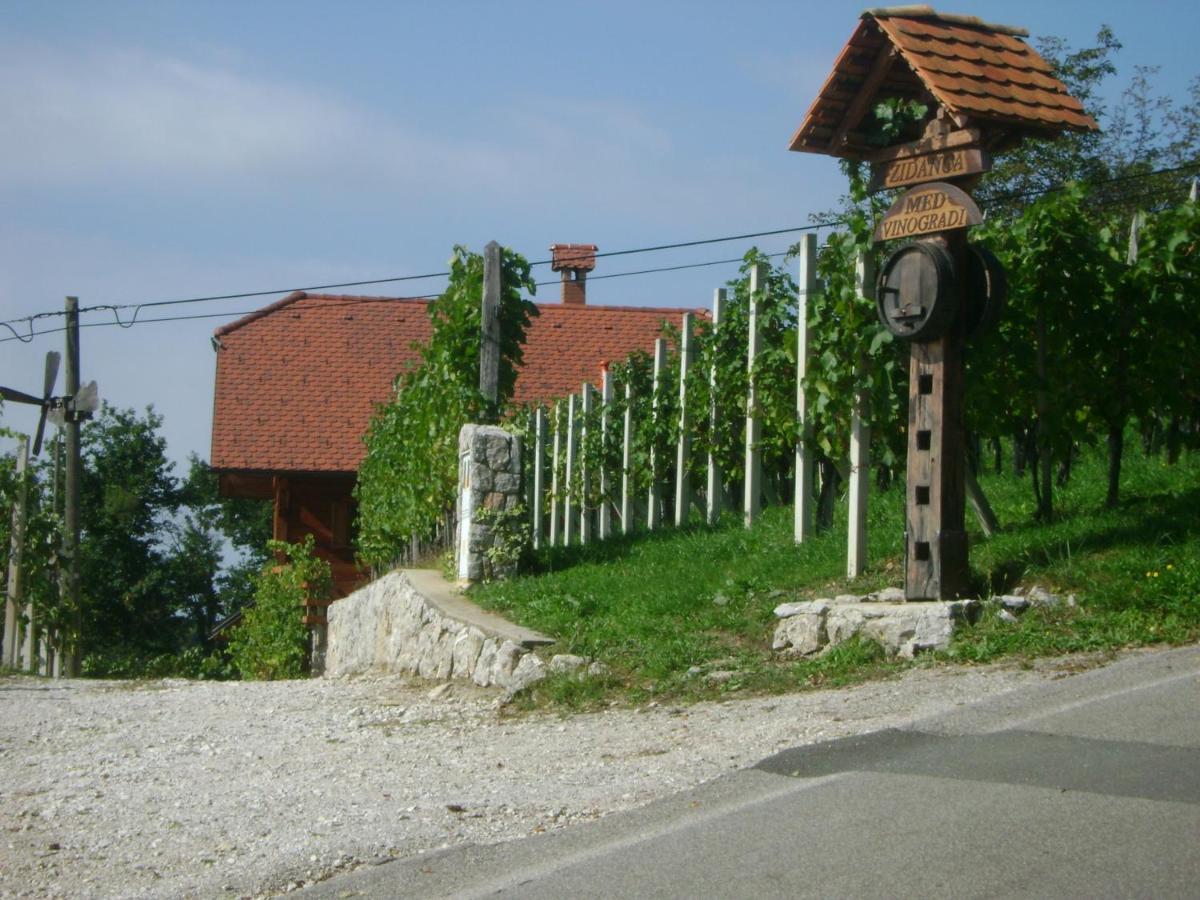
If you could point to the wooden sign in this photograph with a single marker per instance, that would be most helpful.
(926, 210)
(928, 167)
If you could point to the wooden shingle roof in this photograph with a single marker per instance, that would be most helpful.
(980, 74)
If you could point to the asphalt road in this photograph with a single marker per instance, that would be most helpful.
(1084, 787)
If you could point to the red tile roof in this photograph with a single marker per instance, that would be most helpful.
(982, 72)
(297, 381)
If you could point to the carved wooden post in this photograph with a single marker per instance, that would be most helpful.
(713, 487)
(803, 519)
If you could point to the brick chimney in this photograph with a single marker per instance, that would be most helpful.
(574, 261)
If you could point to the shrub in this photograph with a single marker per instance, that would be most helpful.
(270, 642)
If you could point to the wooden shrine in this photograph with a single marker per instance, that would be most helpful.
(928, 99)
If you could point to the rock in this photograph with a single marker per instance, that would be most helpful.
(1005, 616)
(887, 595)
(1013, 602)
(566, 662)
(720, 600)
(440, 691)
(597, 668)
(528, 671)
(848, 598)
(693, 671)
(802, 632)
(720, 677)
(903, 629)
(1039, 596)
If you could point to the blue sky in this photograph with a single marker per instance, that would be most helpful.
(163, 150)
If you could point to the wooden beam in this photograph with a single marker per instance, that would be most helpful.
(879, 71)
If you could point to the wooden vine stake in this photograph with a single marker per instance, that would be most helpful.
(683, 496)
(554, 457)
(654, 497)
(860, 438)
(539, 472)
(627, 463)
(803, 524)
(585, 465)
(572, 446)
(937, 291)
(604, 526)
(713, 487)
(752, 495)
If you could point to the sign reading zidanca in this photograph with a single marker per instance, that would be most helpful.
(927, 209)
(929, 167)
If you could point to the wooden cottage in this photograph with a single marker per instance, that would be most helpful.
(297, 382)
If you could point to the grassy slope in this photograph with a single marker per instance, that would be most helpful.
(654, 606)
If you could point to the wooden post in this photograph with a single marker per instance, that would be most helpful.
(713, 486)
(539, 465)
(606, 396)
(653, 500)
(803, 518)
(12, 606)
(683, 493)
(752, 496)
(554, 474)
(489, 348)
(585, 466)
(627, 464)
(936, 565)
(74, 474)
(860, 437)
(568, 506)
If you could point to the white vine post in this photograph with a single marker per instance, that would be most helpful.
(554, 473)
(606, 396)
(568, 506)
(12, 605)
(860, 436)
(803, 525)
(585, 466)
(752, 496)
(653, 513)
(626, 463)
(713, 488)
(539, 465)
(683, 494)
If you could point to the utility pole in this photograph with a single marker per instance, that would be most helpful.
(71, 512)
(12, 608)
(489, 351)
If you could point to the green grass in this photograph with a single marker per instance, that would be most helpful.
(655, 608)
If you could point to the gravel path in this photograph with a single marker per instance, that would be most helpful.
(176, 789)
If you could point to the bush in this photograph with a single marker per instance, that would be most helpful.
(270, 642)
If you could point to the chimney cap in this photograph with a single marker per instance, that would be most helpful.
(578, 257)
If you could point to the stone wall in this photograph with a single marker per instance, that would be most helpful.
(413, 622)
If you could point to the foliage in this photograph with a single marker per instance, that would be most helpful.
(269, 643)
(657, 608)
(512, 540)
(407, 482)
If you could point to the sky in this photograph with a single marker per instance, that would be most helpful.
(171, 150)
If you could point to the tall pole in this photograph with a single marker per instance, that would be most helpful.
(489, 351)
(73, 472)
(12, 608)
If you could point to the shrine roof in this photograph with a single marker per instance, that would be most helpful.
(981, 74)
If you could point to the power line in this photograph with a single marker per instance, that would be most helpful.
(138, 307)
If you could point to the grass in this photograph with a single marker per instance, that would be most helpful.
(666, 610)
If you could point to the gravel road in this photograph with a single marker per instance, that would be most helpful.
(180, 789)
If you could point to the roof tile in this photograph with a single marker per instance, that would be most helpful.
(294, 391)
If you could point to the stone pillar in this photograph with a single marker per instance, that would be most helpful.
(489, 481)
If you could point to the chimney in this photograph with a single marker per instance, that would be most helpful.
(574, 261)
